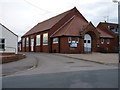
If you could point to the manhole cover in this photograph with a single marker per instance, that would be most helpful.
(81, 66)
(70, 62)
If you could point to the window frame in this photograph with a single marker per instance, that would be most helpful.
(102, 40)
(45, 39)
(38, 39)
(2, 44)
(23, 42)
(108, 41)
(27, 41)
(54, 40)
(77, 39)
(69, 39)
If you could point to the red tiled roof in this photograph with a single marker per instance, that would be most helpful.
(72, 28)
(106, 24)
(46, 25)
(104, 34)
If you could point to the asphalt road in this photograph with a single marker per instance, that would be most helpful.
(107, 78)
(50, 63)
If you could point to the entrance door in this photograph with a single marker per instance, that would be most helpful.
(32, 44)
(87, 43)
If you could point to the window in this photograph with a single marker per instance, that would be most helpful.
(69, 39)
(23, 42)
(102, 41)
(55, 40)
(84, 41)
(37, 40)
(108, 41)
(45, 39)
(89, 41)
(77, 39)
(27, 41)
(2, 44)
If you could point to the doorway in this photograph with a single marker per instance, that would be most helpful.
(87, 43)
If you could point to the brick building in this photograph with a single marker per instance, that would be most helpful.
(68, 32)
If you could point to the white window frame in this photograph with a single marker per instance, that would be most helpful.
(55, 40)
(102, 41)
(23, 42)
(27, 41)
(38, 40)
(45, 39)
(69, 39)
(2, 43)
(77, 39)
(108, 41)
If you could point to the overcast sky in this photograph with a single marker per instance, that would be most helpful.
(21, 15)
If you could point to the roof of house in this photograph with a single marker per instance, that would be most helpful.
(72, 28)
(48, 24)
(8, 29)
(106, 24)
(104, 34)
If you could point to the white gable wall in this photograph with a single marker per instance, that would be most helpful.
(10, 40)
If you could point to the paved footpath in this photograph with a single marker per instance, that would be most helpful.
(103, 58)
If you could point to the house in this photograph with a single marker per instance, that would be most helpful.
(19, 46)
(68, 32)
(8, 41)
(108, 36)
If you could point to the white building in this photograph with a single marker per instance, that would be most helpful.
(8, 41)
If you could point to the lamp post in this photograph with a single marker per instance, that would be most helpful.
(116, 1)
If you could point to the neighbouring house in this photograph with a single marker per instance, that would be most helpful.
(8, 41)
(108, 36)
(68, 32)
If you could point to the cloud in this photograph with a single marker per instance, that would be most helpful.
(21, 15)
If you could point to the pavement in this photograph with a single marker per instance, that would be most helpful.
(46, 63)
(102, 58)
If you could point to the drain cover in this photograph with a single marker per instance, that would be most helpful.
(70, 62)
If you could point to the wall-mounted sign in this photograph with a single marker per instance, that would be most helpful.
(73, 44)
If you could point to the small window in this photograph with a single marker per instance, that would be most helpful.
(37, 40)
(55, 40)
(77, 39)
(102, 41)
(89, 41)
(69, 39)
(2, 44)
(108, 41)
(84, 41)
(45, 39)
(23, 42)
(27, 41)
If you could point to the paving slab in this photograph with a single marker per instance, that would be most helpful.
(103, 58)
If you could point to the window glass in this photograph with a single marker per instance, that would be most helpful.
(45, 39)
(77, 39)
(23, 42)
(89, 41)
(38, 40)
(27, 41)
(55, 40)
(84, 41)
(2, 44)
(69, 39)
(102, 41)
(108, 41)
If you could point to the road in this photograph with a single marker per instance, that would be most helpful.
(58, 71)
(77, 79)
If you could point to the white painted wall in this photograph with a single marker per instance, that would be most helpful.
(11, 45)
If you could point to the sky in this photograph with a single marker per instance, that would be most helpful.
(21, 15)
